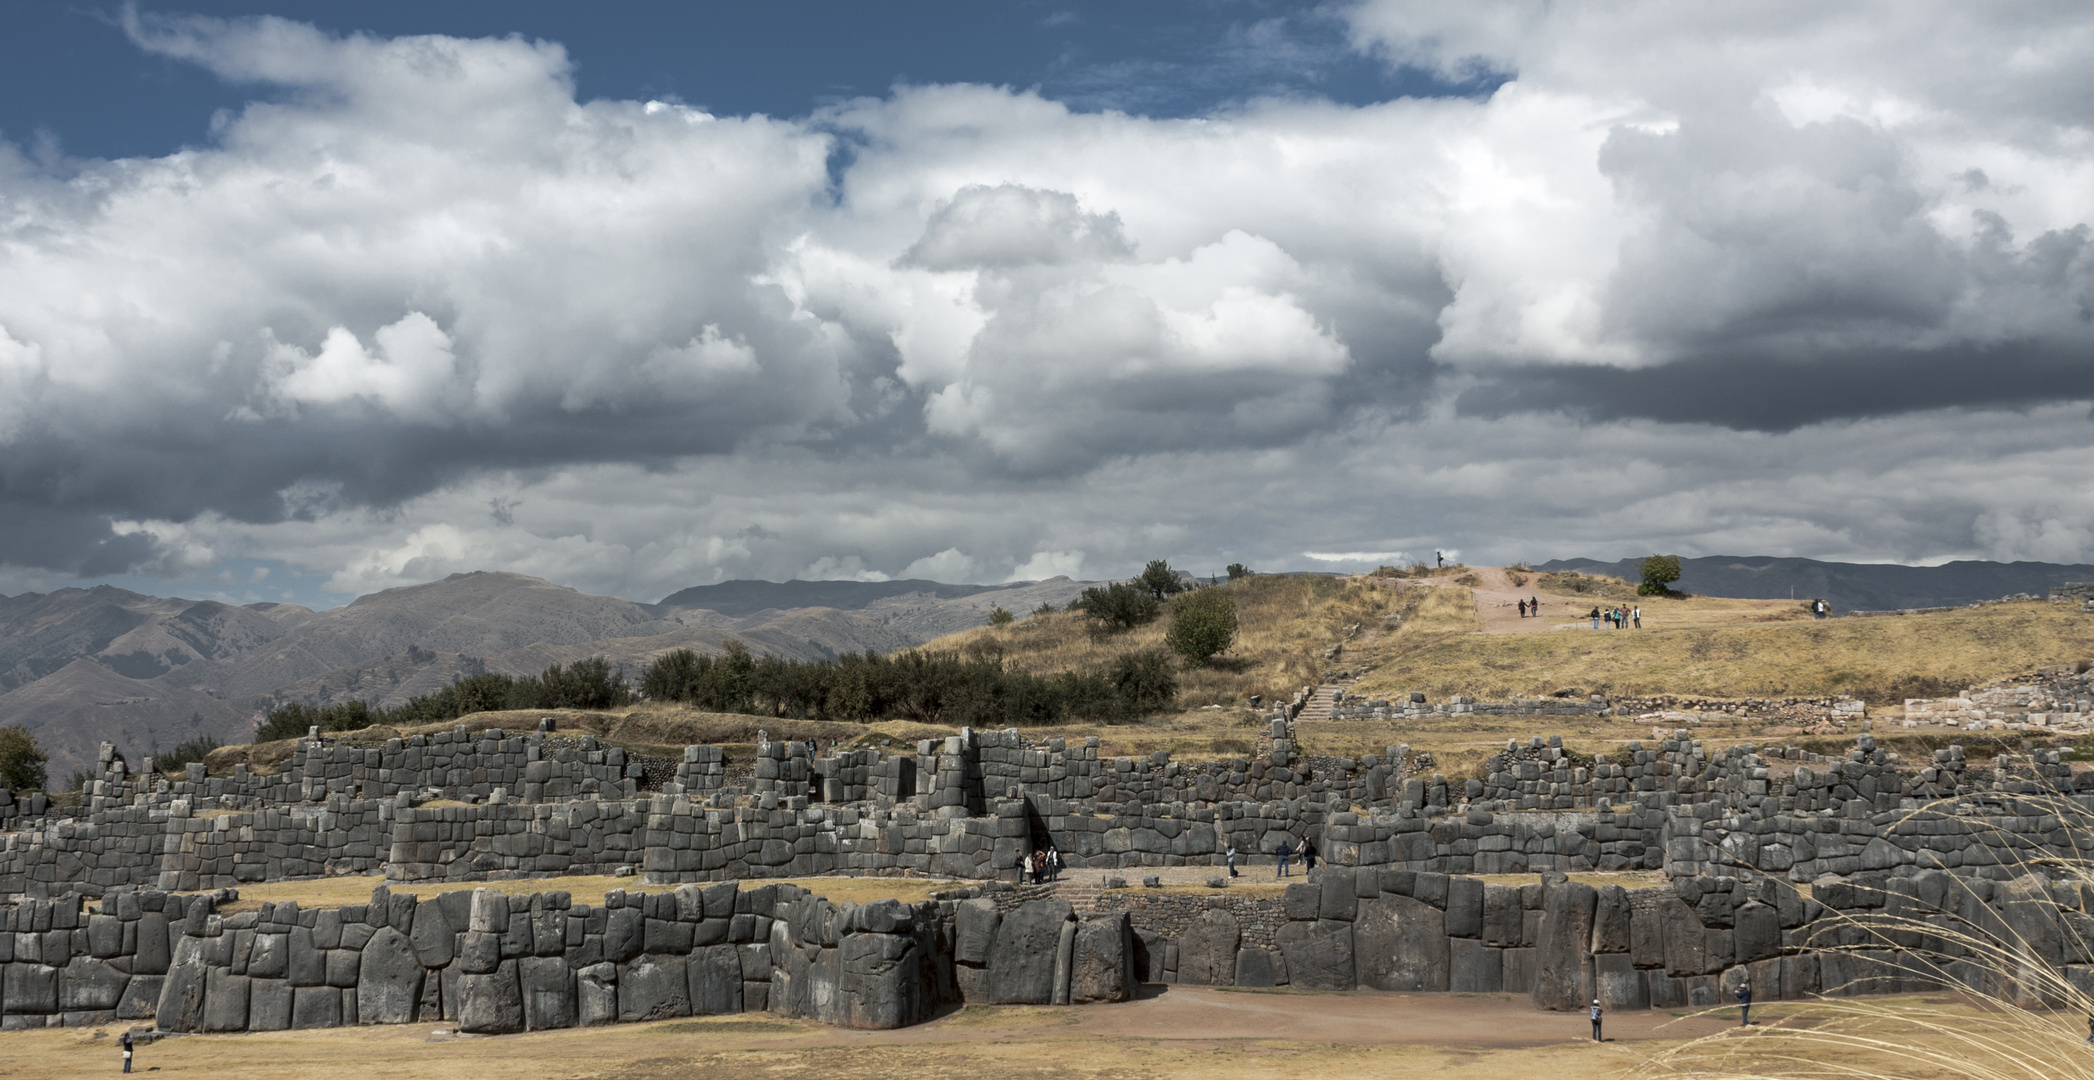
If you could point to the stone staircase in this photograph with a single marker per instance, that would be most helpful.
(1320, 703)
(1082, 895)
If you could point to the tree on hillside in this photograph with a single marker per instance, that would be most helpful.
(1659, 572)
(1159, 580)
(1203, 624)
(21, 760)
(1143, 681)
(1119, 605)
(999, 617)
(1237, 570)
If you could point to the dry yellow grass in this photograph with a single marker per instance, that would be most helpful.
(1881, 659)
(335, 891)
(1284, 625)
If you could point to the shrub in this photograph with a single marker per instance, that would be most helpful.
(999, 617)
(1143, 680)
(1203, 624)
(1238, 571)
(21, 759)
(1159, 580)
(1659, 572)
(1119, 606)
(186, 751)
(1045, 608)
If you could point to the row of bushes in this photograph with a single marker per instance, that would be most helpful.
(584, 684)
(928, 687)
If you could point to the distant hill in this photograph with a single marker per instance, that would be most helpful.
(83, 666)
(1848, 586)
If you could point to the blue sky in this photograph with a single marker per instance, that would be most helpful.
(302, 301)
(67, 70)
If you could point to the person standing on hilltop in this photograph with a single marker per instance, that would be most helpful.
(1595, 617)
(1638, 616)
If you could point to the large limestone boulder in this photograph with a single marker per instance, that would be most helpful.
(1563, 945)
(1103, 965)
(1399, 943)
(653, 988)
(1319, 954)
(596, 994)
(181, 1005)
(883, 984)
(491, 1004)
(1207, 950)
(388, 979)
(89, 985)
(715, 975)
(1021, 966)
(547, 986)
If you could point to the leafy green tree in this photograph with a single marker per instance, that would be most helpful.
(1159, 580)
(21, 759)
(1045, 608)
(1203, 624)
(1238, 571)
(1119, 605)
(1659, 572)
(999, 617)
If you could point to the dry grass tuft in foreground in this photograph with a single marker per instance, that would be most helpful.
(2002, 1004)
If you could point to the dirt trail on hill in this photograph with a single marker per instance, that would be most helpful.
(1497, 605)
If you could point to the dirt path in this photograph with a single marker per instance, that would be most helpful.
(1170, 1032)
(1497, 605)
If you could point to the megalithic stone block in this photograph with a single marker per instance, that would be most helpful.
(1561, 982)
(181, 1005)
(596, 994)
(1400, 943)
(1104, 964)
(1207, 950)
(491, 1004)
(1021, 966)
(389, 980)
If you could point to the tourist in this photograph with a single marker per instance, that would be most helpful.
(127, 1045)
(1523, 609)
(1638, 616)
(1308, 857)
(1595, 617)
(1024, 869)
(1054, 864)
(1596, 1021)
(1534, 605)
(1744, 1002)
(1229, 858)
(1283, 853)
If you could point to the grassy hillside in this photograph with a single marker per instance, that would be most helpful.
(1284, 625)
(1882, 659)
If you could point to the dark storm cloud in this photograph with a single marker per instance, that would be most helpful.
(1756, 392)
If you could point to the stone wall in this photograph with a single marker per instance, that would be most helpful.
(494, 963)
(1562, 943)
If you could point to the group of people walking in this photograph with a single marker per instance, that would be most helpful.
(1618, 617)
(1042, 866)
(1283, 857)
(1530, 607)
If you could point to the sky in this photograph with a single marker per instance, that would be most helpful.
(306, 301)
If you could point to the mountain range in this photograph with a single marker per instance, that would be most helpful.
(84, 666)
(1848, 586)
